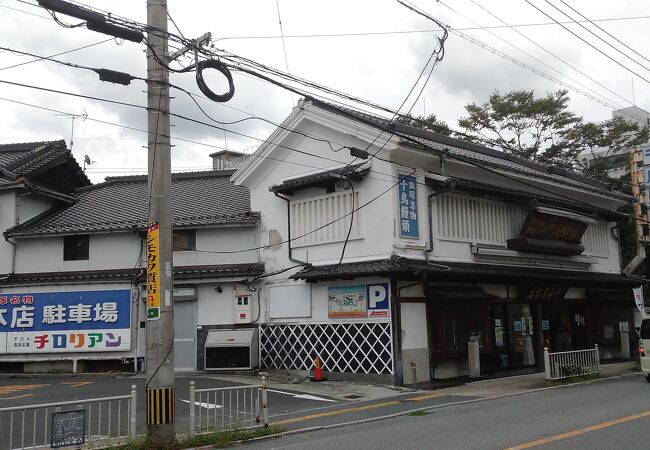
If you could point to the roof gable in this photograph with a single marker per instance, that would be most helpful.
(47, 163)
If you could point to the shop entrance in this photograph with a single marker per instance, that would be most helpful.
(514, 336)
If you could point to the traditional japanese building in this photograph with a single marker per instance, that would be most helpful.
(388, 248)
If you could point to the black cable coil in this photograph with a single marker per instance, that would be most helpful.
(218, 65)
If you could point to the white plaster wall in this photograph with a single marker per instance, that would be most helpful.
(32, 205)
(414, 326)
(415, 345)
(218, 239)
(106, 251)
(7, 220)
(216, 308)
(376, 219)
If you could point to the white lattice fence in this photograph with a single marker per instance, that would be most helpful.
(342, 347)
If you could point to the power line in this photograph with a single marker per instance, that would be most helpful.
(585, 41)
(551, 53)
(604, 31)
(402, 32)
(40, 58)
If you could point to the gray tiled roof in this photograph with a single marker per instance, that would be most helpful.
(321, 178)
(31, 158)
(120, 203)
(443, 271)
(246, 270)
(474, 153)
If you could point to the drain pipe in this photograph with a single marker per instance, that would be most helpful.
(429, 250)
(291, 258)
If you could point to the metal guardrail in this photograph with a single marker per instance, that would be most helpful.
(108, 420)
(237, 407)
(560, 365)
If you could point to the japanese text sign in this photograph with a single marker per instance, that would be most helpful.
(51, 322)
(408, 207)
(153, 272)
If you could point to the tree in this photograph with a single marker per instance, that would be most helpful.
(429, 123)
(544, 130)
(519, 123)
(607, 143)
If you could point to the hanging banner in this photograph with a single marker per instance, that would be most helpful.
(408, 207)
(153, 272)
(638, 299)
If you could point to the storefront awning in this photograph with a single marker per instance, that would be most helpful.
(441, 271)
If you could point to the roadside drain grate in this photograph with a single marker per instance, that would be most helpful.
(353, 396)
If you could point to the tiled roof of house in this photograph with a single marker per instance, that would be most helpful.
(321, 179)
(470, 152)
(120, 203)
(444, 271)
(134, 274)
(30, 159)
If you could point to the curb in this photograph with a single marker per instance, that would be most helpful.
(428, 408)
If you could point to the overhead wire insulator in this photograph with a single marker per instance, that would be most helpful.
(218, 65)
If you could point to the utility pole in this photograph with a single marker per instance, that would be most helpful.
(160, 282)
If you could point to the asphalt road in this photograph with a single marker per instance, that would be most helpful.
(608, 414)
(42, 389)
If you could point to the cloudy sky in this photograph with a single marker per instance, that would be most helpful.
(370, 49)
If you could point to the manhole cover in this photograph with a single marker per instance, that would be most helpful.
(353, 396)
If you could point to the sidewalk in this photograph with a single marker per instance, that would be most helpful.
(363, 402)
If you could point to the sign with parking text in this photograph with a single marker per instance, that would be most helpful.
(63, 322)
(378, 296)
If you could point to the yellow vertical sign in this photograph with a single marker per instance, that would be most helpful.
(153, 272)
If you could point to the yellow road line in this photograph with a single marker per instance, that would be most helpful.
(77, 383)
(17, 396)
(569, 434)
(357, 409)
(424, 397)
(336, 413)
(19, 387)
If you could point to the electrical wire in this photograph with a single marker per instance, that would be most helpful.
(533, 57)
(587, 42)
(603, 30)
(347, 238)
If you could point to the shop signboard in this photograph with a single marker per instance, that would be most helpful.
(64, 322)
(153, 271)
(408, 207)
(359, 301)
(346, 302)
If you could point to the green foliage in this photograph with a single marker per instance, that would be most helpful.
(529, 127)
(221, 439)
(429, 123)
(544, 130)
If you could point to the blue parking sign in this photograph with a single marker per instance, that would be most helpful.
(378, 296)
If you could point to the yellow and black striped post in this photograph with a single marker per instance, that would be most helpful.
(160, 406)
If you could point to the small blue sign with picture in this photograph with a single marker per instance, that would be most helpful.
(408, 207)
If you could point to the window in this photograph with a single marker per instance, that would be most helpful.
(75, 248)
(309, 219)
(184, 240)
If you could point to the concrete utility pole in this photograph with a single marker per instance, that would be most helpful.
(160, 305)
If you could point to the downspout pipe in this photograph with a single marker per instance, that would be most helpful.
(429, 250)
(291, 258)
